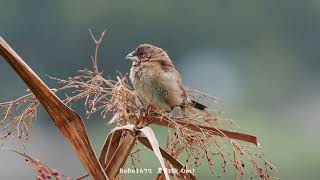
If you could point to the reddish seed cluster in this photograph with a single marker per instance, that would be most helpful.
(47, 173)
(44, 172)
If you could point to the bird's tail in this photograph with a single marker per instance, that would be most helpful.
(197, 105)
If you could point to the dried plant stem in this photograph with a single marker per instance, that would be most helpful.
(120, 156)
(97, 43)
(163, 121)
(67, 121)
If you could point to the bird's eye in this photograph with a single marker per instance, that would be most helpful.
(140, 53)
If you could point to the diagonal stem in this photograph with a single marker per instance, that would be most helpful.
(163, 121)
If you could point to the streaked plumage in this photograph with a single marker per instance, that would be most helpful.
(156, 80)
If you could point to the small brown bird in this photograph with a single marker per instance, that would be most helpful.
(156, 80)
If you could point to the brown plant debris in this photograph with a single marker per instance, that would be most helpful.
(67, 121)
(195, 137)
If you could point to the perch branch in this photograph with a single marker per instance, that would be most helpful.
(163, 121)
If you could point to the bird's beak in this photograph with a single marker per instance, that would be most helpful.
(132, 56)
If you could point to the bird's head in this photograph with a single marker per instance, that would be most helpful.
(146, 53)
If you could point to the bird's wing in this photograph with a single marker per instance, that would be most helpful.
(191, 102)
(171, 79)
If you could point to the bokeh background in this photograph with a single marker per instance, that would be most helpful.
(262, 58)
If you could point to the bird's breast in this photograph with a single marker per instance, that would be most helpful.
(157, 87)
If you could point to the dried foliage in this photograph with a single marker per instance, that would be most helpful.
(67, 121)
(194, 136)
(18, 116)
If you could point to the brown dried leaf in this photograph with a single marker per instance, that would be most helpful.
(122, 152)
(110, 146)
(67, 121)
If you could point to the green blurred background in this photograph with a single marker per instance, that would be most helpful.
(262, 58)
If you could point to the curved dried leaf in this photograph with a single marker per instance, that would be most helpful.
(129, 127)
(149, 134)
(120, 156)
(110, 146)
(66, 120)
